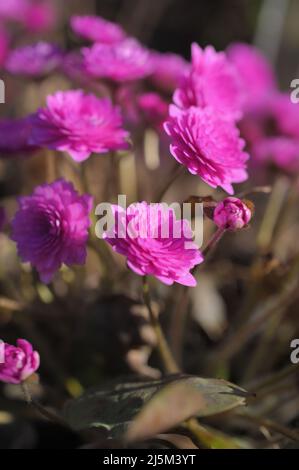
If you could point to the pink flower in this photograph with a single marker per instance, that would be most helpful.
(286, 114)
(255, 72)
(283, 152)
(20, 362)
(79, 124)
(208, 145)
(35, 60)
(40, 16)
(35, 15)
(155, 243)
(51, 227)
(14, 10)
(97, 29)
(232, 214)
(154, 109)
(125, 61)
(169, 70)
(213, 82)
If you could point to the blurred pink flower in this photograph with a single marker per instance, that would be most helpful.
(232, 214)
(168, 70)
(208, 145)
(122, 62)
(20, 362)
(35, 60)
(153, 108)
(256, 74)
(155, 243)
(97, 29)
(286, 114)
(213, 81)
(40, 16)
(15, 135)
(80, 124)
(14, 10)
(270, 128)
(283, 152)
(35, 15)
(51, 227)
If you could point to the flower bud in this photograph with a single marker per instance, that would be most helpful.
(20, 362)
(232, 214)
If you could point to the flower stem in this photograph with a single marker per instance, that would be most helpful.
(171, 367)
(49, 415)
(177, 172)
(167, 358)
(213, 242)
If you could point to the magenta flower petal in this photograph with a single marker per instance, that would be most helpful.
(20, 362)
(122, 62)
(79, 124)
(213, 81)
(51, 227)
(155, 243)
(286, 114)
(35, 15)
(97, 29)
(256, 74)
(283, 152)
(169, 70)
(40, 16)
(208, 145)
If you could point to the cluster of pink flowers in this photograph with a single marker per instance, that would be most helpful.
(202, 108)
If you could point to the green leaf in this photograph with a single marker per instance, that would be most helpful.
(169, 407)
(115, 408)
